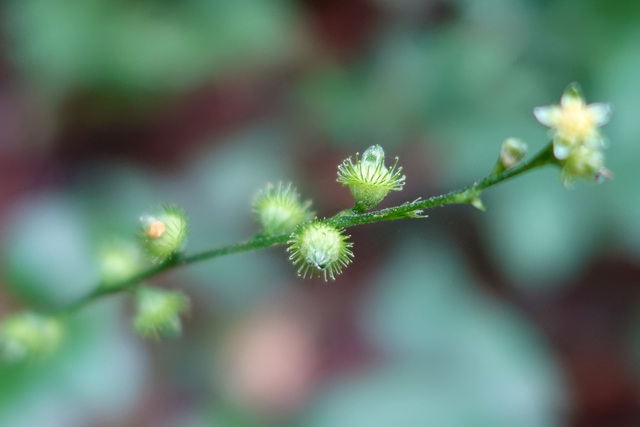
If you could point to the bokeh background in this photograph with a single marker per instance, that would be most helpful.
(525, 315)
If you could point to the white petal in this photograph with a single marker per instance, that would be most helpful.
(547, 115)
(561, 149)
(603, 142)
(570, 99)
(601, 113)
(595, 141)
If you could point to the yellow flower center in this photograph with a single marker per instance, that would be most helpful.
(576, 121)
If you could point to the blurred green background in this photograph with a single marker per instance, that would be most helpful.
(526, 315)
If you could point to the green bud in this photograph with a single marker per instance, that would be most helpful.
(369, 179)
(119, 261)
(158, 312)
(320, 249)
(29, 336)
(512, 152)
(164, 233)
(477, 203)
(584, 162)
(280, 210)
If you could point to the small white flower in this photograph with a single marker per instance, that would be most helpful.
(573, 122)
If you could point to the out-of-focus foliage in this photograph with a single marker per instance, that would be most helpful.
(100, 374)
(144, 46)
(461, 319)
(456, 357)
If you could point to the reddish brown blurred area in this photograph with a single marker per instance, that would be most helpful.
(587, 324)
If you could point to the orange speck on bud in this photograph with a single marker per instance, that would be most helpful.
(164, 233)
(156, 229)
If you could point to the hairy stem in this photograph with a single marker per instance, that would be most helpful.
(344, 219)
(464, 195)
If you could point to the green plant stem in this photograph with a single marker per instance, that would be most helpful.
(344, 219)
(464, 195)
(258, 242)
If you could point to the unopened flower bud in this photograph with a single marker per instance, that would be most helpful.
(369, 179)
(158, 312)
(119, 261)
(279, 209)
(584, 162)
(513, 150)
(165, 232)
(29, 336)
(320, 249)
